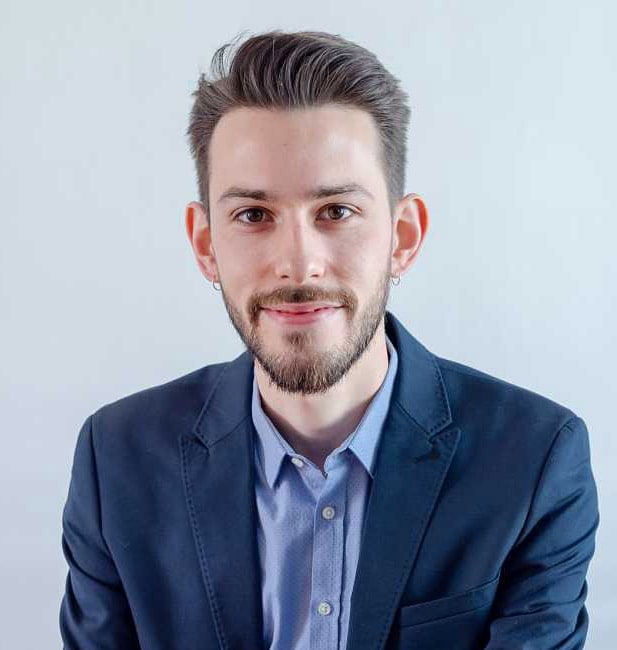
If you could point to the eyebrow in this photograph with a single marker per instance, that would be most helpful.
(320, 192)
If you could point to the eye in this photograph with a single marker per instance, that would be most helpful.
(250, 212)
(336, 212)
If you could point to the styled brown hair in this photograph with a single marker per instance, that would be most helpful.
(300, 70)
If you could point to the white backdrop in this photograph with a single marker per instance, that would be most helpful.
(512, 144)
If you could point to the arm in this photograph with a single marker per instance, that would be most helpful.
(540, 600)
(94, 612)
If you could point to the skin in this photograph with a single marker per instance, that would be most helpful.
(315, 380)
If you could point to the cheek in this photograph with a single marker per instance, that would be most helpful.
(244, 275)
(361, 257)
(237, 261)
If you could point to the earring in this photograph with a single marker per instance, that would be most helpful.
(215, 287)
(398, 280)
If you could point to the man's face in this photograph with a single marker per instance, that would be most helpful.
(299, 217)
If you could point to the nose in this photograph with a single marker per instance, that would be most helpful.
(300, 252)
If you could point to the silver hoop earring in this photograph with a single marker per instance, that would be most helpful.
(215, 287)
(398, 280)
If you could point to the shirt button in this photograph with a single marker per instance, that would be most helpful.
(328, 512)
(324, 608)
(297, 462)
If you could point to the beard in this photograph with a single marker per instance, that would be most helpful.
(303, 369)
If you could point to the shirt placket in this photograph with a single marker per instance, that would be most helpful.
(327, 560)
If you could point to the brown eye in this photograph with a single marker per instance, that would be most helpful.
(251, 212)
(337, 212)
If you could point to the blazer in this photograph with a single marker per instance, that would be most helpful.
(479, 528)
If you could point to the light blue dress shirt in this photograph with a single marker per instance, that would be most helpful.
(310, 526)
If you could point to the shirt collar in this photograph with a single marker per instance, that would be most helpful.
(271, 446)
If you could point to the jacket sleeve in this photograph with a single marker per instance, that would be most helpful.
(94, 612)
(540, 600)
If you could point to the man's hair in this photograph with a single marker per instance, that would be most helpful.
(300, 70)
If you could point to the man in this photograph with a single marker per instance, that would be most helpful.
(337, 485)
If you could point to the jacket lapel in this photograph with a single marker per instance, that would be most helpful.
(414, 455)
(413, 458)
(218, 475)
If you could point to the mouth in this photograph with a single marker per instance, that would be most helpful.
(301, 314)
(304, 307)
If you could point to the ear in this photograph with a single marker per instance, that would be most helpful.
(410, 227)
(199, 234)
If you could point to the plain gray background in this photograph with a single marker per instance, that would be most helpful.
(512, 145)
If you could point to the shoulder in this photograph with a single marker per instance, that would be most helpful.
(154, 415)
(467, 383)
(494, 412)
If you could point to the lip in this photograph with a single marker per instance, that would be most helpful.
(295, 307)
(296, 317)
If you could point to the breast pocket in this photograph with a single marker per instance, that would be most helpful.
(458, 621)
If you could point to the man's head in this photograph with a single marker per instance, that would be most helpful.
(300, 146)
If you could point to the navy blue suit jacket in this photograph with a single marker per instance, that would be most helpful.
(479, 529)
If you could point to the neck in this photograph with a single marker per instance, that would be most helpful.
(314, 425)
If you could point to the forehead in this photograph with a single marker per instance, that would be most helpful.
(287, 151)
